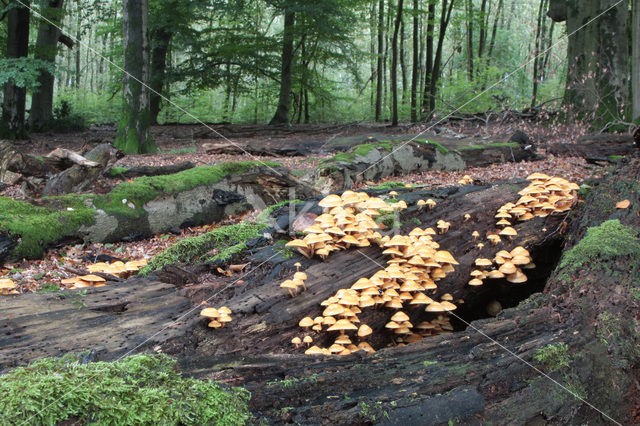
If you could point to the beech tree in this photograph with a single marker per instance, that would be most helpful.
(133, 131)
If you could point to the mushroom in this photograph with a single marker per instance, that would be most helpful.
(421, 204)
(296, 341)
(314, 350)
(307, 340)
(431, 204)
(306, 322)
(467, 217)
(291, 286)
(364, 330)
(494, 238)
(509, 232)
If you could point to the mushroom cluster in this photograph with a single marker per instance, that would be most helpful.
(297, 281)
(466, 180)
(505, 264)
(84, 281)
(545, 195)
(7, 286)
(217, 317)
(416, 264)
(118, 268)
(429, 203)
(348, 220)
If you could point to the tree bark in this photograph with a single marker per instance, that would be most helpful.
(41, 112)
(416, 61)
(494, 30)
(597, 88)
(538, 43)
(13, 104)
(379, 70)
(133, 131)
(284, 104)
(469, 18)
(160, 40)
(635, 67)
(435, 75)
(394, 65)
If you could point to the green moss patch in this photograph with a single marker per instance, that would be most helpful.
(491, 145)
(140, 389)
(553, 357)
(601, 244)
(388, 185)
(228, 240)
(36, 227)
(117, 171)
(361, 150)
(438, 146)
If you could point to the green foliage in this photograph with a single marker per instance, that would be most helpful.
(65, 119)
(23, 72)
(615, 158)
(36, 227)
(360, 150)
(553, 357)
(601, 243)
(182, 151)
(228, 240)
(117, 171)
(373, 411)
(139, 389)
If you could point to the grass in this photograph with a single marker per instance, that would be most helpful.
(228, 240)
(139, 389)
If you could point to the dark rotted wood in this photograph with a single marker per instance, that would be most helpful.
(6, 245)
(598, 147)
(156, 170)
(78, 177)
(470, 376)
(11, 159)
(110, 320)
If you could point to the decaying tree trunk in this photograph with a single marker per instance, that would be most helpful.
(155, 170)
(597, 147)
(79, 177)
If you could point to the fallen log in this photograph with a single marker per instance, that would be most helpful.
(379, 159)
(150, 170)
(581, 332)
(597, 147)
(146, 206)
(260, 150)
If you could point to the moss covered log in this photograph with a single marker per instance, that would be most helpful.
(143, 206)
(380, 159)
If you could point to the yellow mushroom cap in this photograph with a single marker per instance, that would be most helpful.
(435, 307)
(517, 277)
(314, 350)
(508, 268)
(400, 317)
(296, 341)
(307, 339)
(306, 322)
(210, 313)
(342, 324)
(475, 282)
(509, 231)
(364, 330)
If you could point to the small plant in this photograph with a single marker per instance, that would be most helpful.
(373, 411)
(553, 357)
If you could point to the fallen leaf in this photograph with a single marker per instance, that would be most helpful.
(238, 268)
(623, 204)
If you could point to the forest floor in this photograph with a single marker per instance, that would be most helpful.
(178, 143)
(209, 287)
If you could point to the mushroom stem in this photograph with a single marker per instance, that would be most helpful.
(291, 293)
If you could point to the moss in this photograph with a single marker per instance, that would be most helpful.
(360, 150)
(36, 227)
(228, 240)
(438, 146)
(139, 389)
(147, 188)
(615, 158)
(491, 145)
(388, 185)
(601, 243)
(553, 357)
(117, 171)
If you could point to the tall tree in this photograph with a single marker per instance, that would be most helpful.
(133, 135)
(597, 87)
(635, 67)
(379, 70)
(284, 103)
(416, 62)
(12, 125)
(46, 49)
(539, 43)
(469, 21)
(394, 65)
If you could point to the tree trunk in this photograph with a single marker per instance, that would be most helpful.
(483, 30)
(469, 18)
(13, 104)
(379, 71)
(414, 65)
(598, 59)
(160, 40)
(41, 112)
(394, 66)
(635, 67)
(495, 29)
(284, 104)
(536, 51)
(133, 131)
(403, 68)
(435, 75)
(427, 105)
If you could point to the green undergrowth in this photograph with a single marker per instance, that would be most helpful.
(227, 240)
(139, 389)
(491, 145)
(601, 244)
(265, 214)
(36, 227)
(553, 357)
(117, 171)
